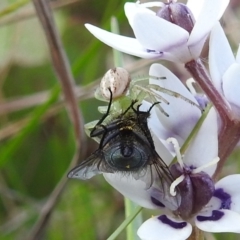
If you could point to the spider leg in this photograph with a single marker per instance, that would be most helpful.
(104, 115)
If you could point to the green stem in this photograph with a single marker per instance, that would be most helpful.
(136, 223)
(125, 223)
(117, 56)
(194, 131)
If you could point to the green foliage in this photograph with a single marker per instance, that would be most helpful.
(36, 152)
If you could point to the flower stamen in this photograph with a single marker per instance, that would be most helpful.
(190, 86)
(199, 169)
(177, 150)
(174, 185)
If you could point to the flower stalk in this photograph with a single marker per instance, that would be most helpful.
(200, 74)
(230, 129)
(228, 139)
(197, 234)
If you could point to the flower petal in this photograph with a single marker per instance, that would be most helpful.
(211, 12)
(158, 132)
(132, 8)
(182, 115)
(231, 84)
(121, 43)
(230, 185)
(131, 188)
(195, 7)
(161, 148)
(238, 55)
(164, 228)
(218, 64)
(155, 33)
(219, 221)
(204, 147)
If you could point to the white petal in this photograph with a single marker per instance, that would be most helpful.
(213, 204)
(195, 7)
(131, 188)
(182, 115)
(155, 33)
(204, 148)
(161, 148)
(181, 54)
(211, 12)
(133, 47)
(230, 185)
(121, 43)
(229, 222)
(220, 55)
(231, 84)
(238, 55)
(158, 132)
(155, 229)
(132, 8)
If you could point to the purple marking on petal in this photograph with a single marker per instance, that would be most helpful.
(216, 215)
(150, 51)
(178, 225)
(156, 202)
(154, 51)
(224, 197)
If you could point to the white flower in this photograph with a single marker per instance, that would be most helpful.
(224, 67)
(221, 214)
(161, 39)
(182, 118)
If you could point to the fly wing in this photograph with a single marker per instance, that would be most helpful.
(164, 180)
(162, 170)
(90, 167)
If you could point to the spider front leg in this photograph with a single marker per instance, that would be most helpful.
(145, 92)
(171, 93)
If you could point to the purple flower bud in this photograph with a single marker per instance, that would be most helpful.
(179, 14)
(195, 190)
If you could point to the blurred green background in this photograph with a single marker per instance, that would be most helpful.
(37, 139)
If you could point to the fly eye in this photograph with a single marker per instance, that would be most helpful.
(127, 158)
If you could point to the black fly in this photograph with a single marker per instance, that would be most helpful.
(126, 146)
